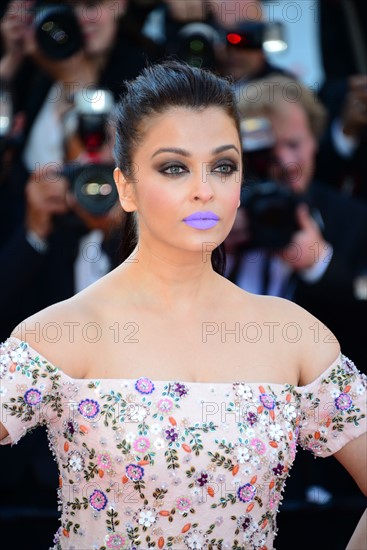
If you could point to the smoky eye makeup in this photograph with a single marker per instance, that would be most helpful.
(226, 164)
(172, 168)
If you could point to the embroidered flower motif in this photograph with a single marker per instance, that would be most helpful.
(98, 500)
(251, 418)
(243, 391)
(32, 397)
(246, 493)
(180, 389)
(165, 405)
(244, 522)
(141, 444)
(117, 541)
(289, 411)
(267, 400)
(147, 518)
(243, 455)
(183, 504)
(275, 432)
(70, 428)
(88, 408)
(194, 540)
(134, 472)
(202, 478)
(278, 470)
(159, 443)
(136, 413)
(171, 434)
(144, 385)
(343, 402)
(76, 461)
(104, 461)
(155, 429)
(258, 445)
(19, 356)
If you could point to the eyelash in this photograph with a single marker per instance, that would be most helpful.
(231, 165)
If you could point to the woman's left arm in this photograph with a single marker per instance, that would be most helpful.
(353, 457)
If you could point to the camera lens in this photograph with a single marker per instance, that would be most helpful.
(93, 186)
(57, 32)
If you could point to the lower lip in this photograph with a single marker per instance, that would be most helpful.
(201, 224)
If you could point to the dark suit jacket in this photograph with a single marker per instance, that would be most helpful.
(333, 299)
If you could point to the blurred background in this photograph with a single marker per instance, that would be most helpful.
(62, 65)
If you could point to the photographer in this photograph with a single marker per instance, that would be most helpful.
(322, 262)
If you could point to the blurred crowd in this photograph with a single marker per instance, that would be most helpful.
(301, 230)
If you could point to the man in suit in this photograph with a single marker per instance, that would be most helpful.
(324, 266)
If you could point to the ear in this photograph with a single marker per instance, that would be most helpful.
(125, 190)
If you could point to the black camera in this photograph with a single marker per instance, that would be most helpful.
(270, 206)
(257, 35)
(195, 43)
(92, 183)
(57, 31)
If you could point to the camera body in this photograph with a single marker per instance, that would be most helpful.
(270, 207)
(91, 181)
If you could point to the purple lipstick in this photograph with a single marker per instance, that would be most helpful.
(202, 220)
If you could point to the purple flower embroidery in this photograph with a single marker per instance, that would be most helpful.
(98, 500)
(88, 408)
(134, 472)
(171, 434)
(244, 522)
(246, 493)
(180, 389)
(251, 418)
(343, 402)
(267, 400)
(278, 470)
(202, 479)
(32, 397)
(144, 385)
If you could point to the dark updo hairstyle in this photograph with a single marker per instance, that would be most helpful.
(158, 88)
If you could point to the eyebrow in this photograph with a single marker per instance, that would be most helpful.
(184, 153)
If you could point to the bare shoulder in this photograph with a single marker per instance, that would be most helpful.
(59, 333)
(296, 335)
(316, 346)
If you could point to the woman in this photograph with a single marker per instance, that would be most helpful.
(173, 398)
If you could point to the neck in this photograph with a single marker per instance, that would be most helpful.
(177, 281)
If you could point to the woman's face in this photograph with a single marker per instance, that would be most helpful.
(187, 179)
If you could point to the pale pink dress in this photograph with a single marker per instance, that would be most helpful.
(178, 464)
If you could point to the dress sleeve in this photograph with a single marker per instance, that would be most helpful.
(28, 390)
(333, 408)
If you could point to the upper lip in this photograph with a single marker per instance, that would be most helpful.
(202, 216)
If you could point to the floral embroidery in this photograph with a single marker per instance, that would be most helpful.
(134, 472)
(159, 460)
(343, 402)
(98, 500)
(144, 386)
(32, 397)
(117, 541)
(247, 492)
(88, 408)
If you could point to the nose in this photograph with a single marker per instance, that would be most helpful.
(202, 189)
